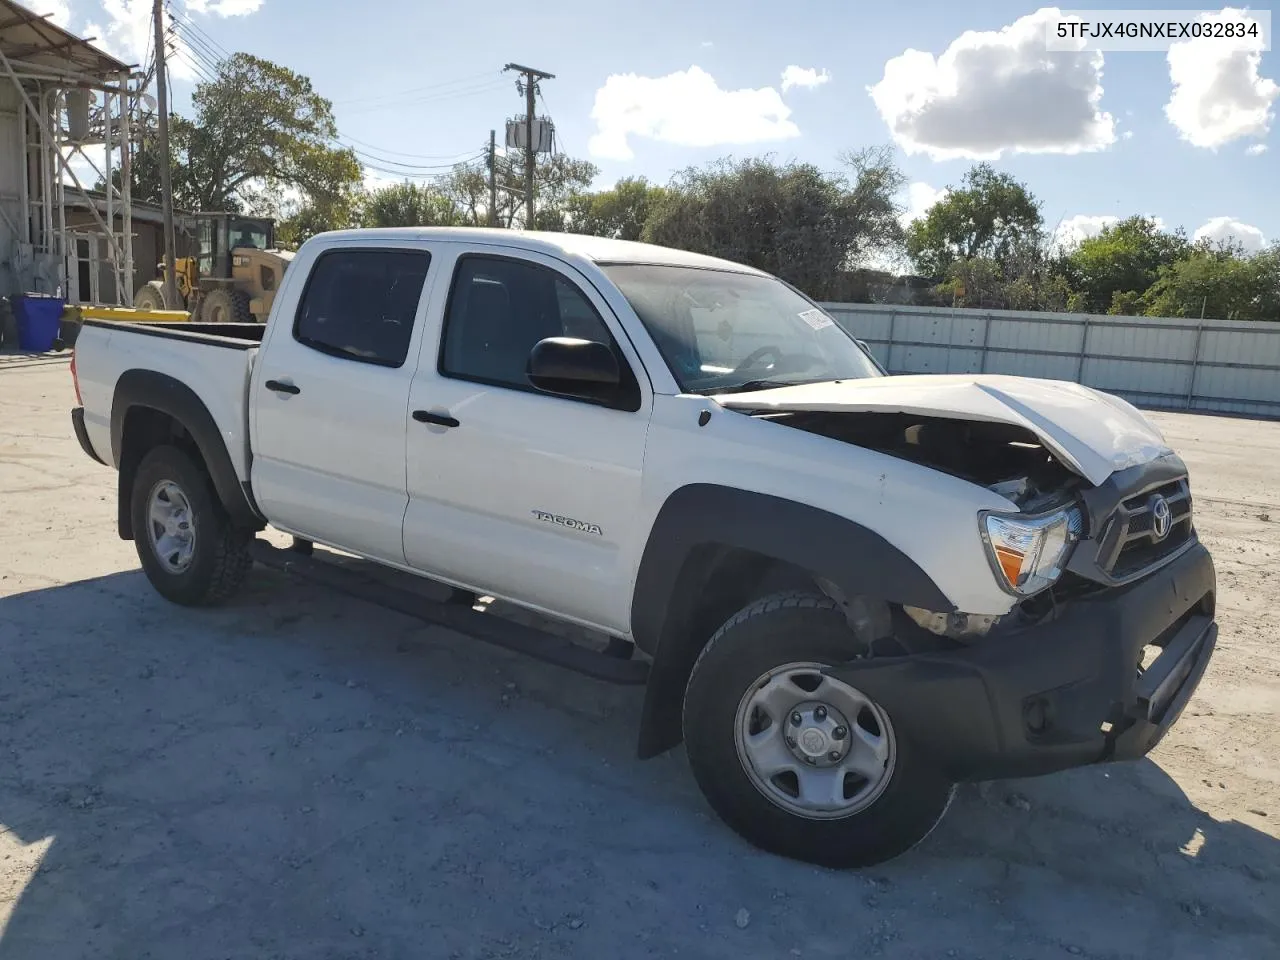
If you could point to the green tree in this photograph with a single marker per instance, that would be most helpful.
(258, 131)
(620, 212)
(1219, 283)
(1114, 268)
(793, 220)
(558, 181)
(409, 204)
(259, 123)
(988, 216)
(1025, 279)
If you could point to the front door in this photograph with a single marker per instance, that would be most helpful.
(512, 491)
(330, 397)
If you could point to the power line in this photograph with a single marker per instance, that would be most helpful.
(183, 54)
(491, 87)
(399, 153)
(208, 38)
(199, 47)
(488, 74)
(462, 158)
(555, 135)
(402, 175)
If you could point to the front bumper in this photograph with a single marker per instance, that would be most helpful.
(1060, 694)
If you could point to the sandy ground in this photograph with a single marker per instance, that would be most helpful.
(299, 775)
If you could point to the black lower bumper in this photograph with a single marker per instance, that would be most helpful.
(77, 424)
(1061, 694)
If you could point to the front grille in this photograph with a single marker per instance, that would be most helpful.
(1130, 545)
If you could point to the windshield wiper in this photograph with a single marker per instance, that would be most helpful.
(750, 385)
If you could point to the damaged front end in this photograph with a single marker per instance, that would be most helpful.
(1031, 547)
(1007, 459)
(1027, 547)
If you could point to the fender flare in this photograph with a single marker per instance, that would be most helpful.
(170, 396)
(672, 575)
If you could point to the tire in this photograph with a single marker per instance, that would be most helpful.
(150, 296)
(208, 567)
(903, 798)
(225, 305)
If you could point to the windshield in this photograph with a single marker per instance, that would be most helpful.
(721, 331)
(249, 233)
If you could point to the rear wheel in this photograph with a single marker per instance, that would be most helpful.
(797, 762)
(225, 305)
(188, 547)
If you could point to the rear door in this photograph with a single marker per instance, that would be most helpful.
(330, 394)
(526, 495)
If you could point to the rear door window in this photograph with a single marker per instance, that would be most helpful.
(360, 304)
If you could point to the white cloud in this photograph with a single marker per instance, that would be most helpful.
(1257, 150)
(995, 91)
(1222, 229)
(920, 197)
(806, 77)
(707, 44)
(1072, 230)
(225, 8)
(128, 33)
(59, 10)
(687, 108)
(1218, 95)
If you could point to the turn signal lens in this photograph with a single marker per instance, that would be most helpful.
(1028, 554)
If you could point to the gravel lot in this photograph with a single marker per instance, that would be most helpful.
(300, 775)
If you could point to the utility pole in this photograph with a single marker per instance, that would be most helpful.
(529, 87)
(166, 183)
(493, 178)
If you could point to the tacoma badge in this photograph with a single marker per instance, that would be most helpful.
(569, 522)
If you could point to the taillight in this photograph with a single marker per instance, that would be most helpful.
(75, 378)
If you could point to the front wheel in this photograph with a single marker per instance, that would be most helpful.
(799, 763)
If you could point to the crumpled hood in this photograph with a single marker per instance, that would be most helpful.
(1093, 433)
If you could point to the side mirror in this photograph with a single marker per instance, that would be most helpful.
(574, 368)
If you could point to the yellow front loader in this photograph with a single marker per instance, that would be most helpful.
(233, 277)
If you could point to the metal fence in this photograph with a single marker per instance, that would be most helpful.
(1220, 366)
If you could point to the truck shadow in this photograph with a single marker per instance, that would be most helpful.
(302, 775)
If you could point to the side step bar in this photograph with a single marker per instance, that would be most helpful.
(482, 626)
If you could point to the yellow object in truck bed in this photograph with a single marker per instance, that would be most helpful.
(129, 314)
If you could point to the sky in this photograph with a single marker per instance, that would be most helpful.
(1186, 135)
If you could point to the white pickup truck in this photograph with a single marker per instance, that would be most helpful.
(846, 591)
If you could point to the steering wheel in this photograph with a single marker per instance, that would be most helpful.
(753, 359)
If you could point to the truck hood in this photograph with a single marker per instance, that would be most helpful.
(1094, 434)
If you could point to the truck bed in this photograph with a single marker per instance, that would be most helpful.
(213, 360)
(240, 333)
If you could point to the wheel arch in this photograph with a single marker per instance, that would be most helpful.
(713, 549)
(151, 408)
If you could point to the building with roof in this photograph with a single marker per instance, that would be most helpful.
(68, 116)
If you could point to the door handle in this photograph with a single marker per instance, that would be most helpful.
(280, 386)
(440, 419)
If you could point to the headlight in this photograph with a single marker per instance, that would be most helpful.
(1029, 553)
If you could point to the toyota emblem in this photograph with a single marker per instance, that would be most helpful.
(1161, 518)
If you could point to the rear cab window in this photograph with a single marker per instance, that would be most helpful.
(360, 304)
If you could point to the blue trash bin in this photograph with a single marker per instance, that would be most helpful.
(39, 319)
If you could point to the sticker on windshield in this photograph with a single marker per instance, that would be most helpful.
(816, 319)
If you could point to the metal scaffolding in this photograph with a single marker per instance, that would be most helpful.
(73, 98)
